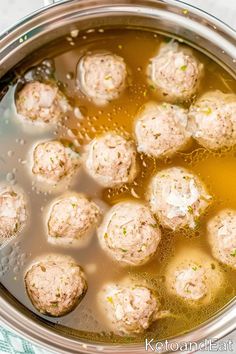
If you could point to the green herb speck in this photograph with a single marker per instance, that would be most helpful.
(109, 299)
(183, 67)
(208, 111)
(233, 254)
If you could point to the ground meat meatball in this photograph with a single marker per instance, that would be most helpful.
(13, 212)
(55, 285)
(129, 309)
(212, 120)
(194, 277)
(52, 162)
(175, 72)
(41, 103)
(178, 198)
(71, 220)
(160, 129)
(129, 233)
(101, 76)
(221, 231)
(111, 160)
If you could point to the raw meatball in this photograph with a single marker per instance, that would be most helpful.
(222, 237)
(129, 233)
(41, 103)
(194, 277)
(52, 162)
(175, 72)
(101, 76)
(55, 285)
(212, 120)
(160, 129)
(129, 309)
(71, 220)
(178, 198)
(13, 213)
(111, 160)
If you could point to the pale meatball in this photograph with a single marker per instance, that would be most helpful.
(221, 230)
(72, 220)
(212, 120)
(178, 198)
(161, 129)
(111, 160)
(41, 103)
(129, 309)
(55, 285)
(194, 277)
(13, 212)
(101, 76)
(129, 233)
(175, 72)
(52, 162)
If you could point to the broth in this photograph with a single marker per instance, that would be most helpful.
(217, 170)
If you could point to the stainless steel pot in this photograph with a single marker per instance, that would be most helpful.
(197, 28)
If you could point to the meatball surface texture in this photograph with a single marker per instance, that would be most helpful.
(221, 231)
(175, 72)
(55, 285)
(101, 76)
(161, 129)
(111, 160)
(41, 103)
(129, 233)
(178, 198)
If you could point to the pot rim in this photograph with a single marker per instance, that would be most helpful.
(216, 325)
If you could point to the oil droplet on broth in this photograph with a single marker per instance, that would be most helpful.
(84, 123)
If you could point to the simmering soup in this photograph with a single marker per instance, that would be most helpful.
(117, 175)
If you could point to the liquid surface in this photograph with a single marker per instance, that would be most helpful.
(218, 171)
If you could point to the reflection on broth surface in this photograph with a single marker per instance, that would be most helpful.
(77, 128)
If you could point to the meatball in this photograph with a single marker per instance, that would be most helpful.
(178, 198)
(72, 219)
(160, 130)
(13, 212)
(175, 72)
(41, 103)
(221, 230)
(129, 309)
(101, 76)
(55, 285)
(111, 160)
(52, 162)
(129, 233)
(212, 120)
(194, 277)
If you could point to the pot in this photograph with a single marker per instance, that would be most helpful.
(193, 26)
